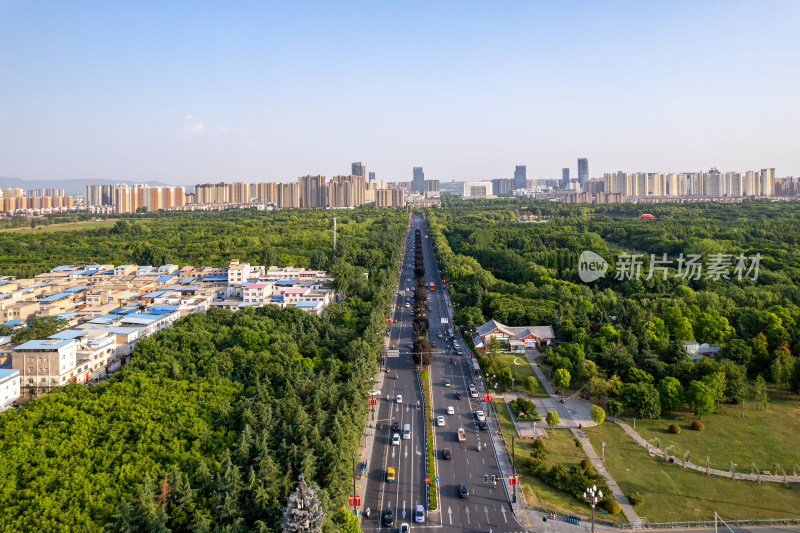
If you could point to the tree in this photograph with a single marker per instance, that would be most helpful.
(561, 378)
(670, 392)
(614, 407)
(598, 415)
(614, 385)
(637, 375)
(347, 521)
(643, 398)
(760, 392)
(303, 511)
(598, 387)
(552, 419)
(717, 383)
(422, 352)
(587, 369)
(794, 383)
(532, 384)
(701, 398)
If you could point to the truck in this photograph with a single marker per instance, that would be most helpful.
(462, 436)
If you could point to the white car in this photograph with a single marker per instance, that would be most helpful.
(440, 421)
(480, 415)
(399, 398)
(374, 393)
(450, 410)
(419, 514)
(472, 386)
(473, 393)
(396, 439)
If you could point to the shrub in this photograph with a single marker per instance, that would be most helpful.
(586, 464)
(539, 444)
(612, 506)
(577, 442)
(675, 429)
(635, 498)
(698, 426)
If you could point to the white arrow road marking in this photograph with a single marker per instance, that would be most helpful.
(467, 513)
(405, 454)
(450, 515)
(419, 452)
(404, 509)
(392, 452)
(487, 513)
(503, 510)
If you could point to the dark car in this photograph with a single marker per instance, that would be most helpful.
(458, 396)
(447, 453)
(388, 518)
(483, 426)
(396, 426)
(463, 491)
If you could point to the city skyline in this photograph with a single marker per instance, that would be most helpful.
(265, 93)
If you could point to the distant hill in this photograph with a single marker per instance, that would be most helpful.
(71, 187)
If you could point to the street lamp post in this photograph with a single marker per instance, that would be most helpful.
(603, 448)
(354, 482)
(512, 384)
(593, 497)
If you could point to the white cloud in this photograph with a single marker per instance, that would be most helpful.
(188, 117)
(197, 128)
(4, 71)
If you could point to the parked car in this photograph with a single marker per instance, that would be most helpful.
(473, 394)
(480, 415)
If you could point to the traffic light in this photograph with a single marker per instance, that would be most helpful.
(486, 478)
(494, 478)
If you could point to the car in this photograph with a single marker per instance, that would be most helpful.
(439, 335)
(473, 394)
(408, 280)
(440, 421)
(410, 345)
(396, 426)
(480, 415)
(408, 304)
(405, 528)
(471, 386)
(374, 393)
(388, 518)
(396, 439)
(433, 344)
(463, 491)
(390, 474)
(391, 346)
(459, 352)
(447, 383)
(450, 410)
(483, 425)
(399, 398)
(419, 514)
(563, 400)
(459, 396)
(447, 453)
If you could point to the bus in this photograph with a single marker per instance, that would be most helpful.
(432, 287)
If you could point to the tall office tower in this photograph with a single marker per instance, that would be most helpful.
(240, 192)
(288, 195)
(357, 169)
(564, 178)
(583, 170)
(313, 192)
(767, 181)
(520, 177)
(371, 176)
(418, 181)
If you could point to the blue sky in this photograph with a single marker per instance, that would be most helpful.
(189, 92)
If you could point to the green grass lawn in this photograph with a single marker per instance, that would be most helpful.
(731, 436)
(673, 494)
(70, 226)
(560, 449)
(519, 365)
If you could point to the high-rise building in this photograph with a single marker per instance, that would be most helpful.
(502, 186)
(520, 177)
(767, 181)
(313, 192)
(418, 181)
(357, 169)
(564, 178)
(431, 186)
(240, 192)
(390, 198)
(371, 176)
(346, 191)
(583, 170)
(264, 192)
(288, 195)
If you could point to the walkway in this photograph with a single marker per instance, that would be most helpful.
(704, 469)
(566, 418)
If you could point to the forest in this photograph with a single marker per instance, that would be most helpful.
(210, 425)
(625, 337)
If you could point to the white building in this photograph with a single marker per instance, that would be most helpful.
(9, 388)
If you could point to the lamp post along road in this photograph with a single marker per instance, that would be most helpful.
(593, 497)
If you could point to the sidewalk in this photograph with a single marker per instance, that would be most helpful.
(566, 418)
(705, 470)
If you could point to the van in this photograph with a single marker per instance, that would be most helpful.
(406, 431)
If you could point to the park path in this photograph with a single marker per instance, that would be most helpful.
(566, 417)
(705, 470)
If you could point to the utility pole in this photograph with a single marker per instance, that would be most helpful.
(354, 475)
(334, 236)
(514, 468)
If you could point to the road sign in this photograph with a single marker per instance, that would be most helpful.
(437, 479)
(427, 480)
